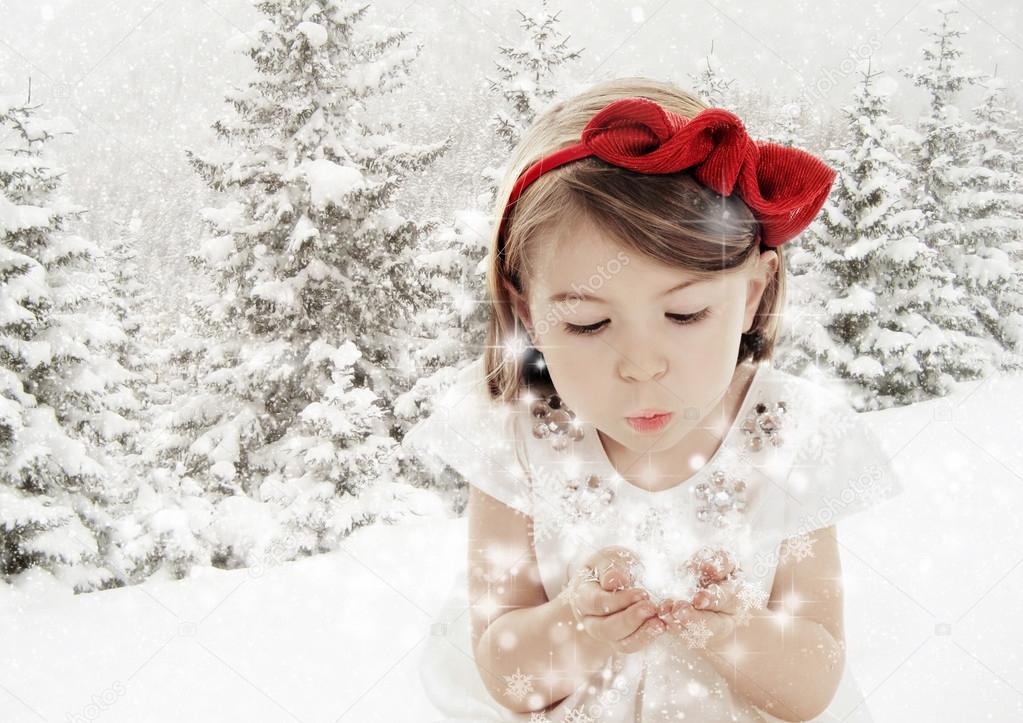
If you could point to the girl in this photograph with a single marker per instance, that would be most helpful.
(652, 504)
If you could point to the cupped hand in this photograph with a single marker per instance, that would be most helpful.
(611, 609)
(710, 616)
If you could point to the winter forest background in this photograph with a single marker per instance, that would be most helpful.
(243, 244)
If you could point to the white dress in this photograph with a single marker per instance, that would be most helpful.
(819, 465)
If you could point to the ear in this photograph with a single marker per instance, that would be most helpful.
(520, 307)
(761, 276)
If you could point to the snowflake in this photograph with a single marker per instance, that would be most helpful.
(874, 493)
(576, 715)
(557, 519)
(800, 546)
(651, 526)
(519, 684)
(696, 634)
(742, 616)
(544, 528)
(540, 717)
(751, 595)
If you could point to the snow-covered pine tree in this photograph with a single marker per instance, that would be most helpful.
(62, 386)
(451, 330)
(139, 543)
(941, 164)
(312, 277)
(126, 300)
(785, 126)
(529, 75)
(875, 282)
(163, 534)
(991, 194)
(452, 326)
(763, 118)
(711, 85)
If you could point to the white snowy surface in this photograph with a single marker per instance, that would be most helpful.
(338, 637)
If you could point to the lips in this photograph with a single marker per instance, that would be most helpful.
(649, 424)
(650, 412)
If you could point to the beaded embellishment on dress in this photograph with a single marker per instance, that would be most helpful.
(588, 493)
(554, 421)
(764, 424)
(720, 498)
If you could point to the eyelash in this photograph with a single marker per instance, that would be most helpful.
(680, 319)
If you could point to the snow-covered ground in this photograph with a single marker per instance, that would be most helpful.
(934, 583)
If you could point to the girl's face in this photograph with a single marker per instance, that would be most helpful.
(644, 341)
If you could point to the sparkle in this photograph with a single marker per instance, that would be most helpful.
(487, 605)
(516, 347)
(781, 618)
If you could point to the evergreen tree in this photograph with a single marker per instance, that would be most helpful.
(529, 74)
(62, 387)
(876, 283)
(126, 299)
(785, 127)
(451, 327)
(711, 85)
(989, 196)
(171, 512)
(312, 282)
(942, 161)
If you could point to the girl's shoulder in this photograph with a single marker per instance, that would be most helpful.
(476, 436)
(836, 463)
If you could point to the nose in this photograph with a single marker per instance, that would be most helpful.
(642, 363)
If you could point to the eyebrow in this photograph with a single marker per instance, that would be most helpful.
(576, 296)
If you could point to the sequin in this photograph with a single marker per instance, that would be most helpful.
(555, 422)
(721, 499)
(764, 425)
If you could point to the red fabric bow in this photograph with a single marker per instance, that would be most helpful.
(784, 187)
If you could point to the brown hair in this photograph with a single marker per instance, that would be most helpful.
(671, 218)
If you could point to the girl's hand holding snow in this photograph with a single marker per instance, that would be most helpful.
(710, 617)
(604, 602)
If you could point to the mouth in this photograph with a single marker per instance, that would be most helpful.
(647, 413)
(649, 420)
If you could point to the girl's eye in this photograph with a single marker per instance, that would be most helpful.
(680, 319)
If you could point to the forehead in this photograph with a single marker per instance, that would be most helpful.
(581, 258)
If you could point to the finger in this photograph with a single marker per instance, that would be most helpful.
(713, 566)
(667, 615)
(599, 602)
(723, 565)
(616, 567)
(683, 612)
(648, 631)
(620, 625)
(725, 561)
(720, 624)
(720, 597)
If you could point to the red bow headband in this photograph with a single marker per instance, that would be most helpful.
(784, 187)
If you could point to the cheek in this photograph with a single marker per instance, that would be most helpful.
(576, 366)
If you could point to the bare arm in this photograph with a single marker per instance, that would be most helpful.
(515, 628)
(532, 652)
(795, 649)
